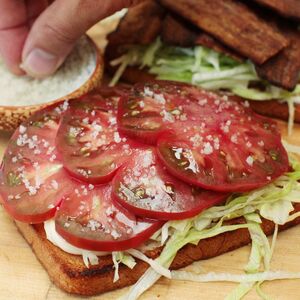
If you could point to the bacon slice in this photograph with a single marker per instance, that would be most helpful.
(141, 25)
(287, 8)
(175, 31)
(233, 23)
(178, 33)
(283, 69)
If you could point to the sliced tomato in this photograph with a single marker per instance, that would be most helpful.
(33, 181)
(152, 108)
(88, 141)
(145, 188)
(159, 106)
(88, 219)
(235, 155)
(31, 195)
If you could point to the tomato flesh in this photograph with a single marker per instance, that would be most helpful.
(114, 192)
(145, 188)
(227, 149)
(88, 219)
(33, 182)
(151, 109)
(89, 144)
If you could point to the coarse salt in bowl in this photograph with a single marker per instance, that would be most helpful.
(20, 96)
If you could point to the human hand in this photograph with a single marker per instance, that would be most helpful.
(38, 36)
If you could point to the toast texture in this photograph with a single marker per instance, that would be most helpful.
(70, 274)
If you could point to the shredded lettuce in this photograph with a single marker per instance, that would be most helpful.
(204, 67)
(122, 257)
(207, 69)
(291, 148)
(273, 202)
(226, 277)
(152, 263)
(240, 291)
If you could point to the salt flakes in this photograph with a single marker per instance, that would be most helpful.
(225, 126)
(54, 184)
(178, 152)
(85, 121)
(147, 159)
(52, 158)
(141, 104)
(193, 166)
(207, 149)
(216, 143)
(167, 117)
(84, 173)
(115, 234)
(261, 143)
(22, 129)
(93, 225)
(234, 139)
(202, 102)
(250, 160)
(158, 97)
(148, 92)
(246, 103)
(112, 121)
(196, 140)
(117, 137)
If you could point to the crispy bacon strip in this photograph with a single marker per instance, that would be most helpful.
(141, 25)
(233, 23)
(177, 32)
(287, 8)
(284, 68)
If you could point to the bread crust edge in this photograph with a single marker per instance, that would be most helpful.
(69, 273)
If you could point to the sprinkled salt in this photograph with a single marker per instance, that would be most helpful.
(250, 160)
(117, 137)
(207, 149)
(24, 90)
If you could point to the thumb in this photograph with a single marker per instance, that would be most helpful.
(57, 29)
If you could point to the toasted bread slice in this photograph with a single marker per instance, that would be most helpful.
(70, 274)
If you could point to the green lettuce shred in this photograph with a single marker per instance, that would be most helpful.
(273, 202)
(122, 257)
(206, 68)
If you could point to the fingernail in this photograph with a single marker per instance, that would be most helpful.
(40, 63)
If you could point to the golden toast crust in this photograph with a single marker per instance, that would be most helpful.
(70, 274)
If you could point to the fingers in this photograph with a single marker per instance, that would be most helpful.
(56, 31)
(13, 32)
(14, 29)
(34, 9)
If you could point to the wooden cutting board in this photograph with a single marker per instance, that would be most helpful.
(22, 277)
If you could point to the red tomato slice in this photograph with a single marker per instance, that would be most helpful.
(88, 141)
(33, 182)
(145, 188)
(88, 219)
(152, 108)
(159, 106)
(237, 154)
